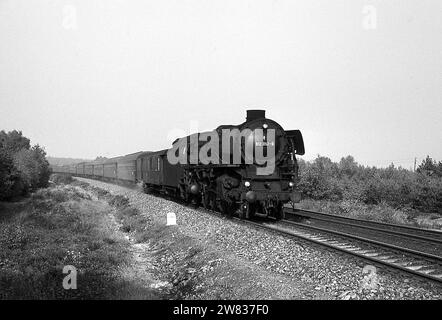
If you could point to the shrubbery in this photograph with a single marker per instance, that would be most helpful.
(323, 179)
(22, 168)
(61, 178)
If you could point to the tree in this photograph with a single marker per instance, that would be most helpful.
(44, 170)
(33, 167)
(430, 167)
(318, 179)
(348, 166)
(10, 184)
(22, 167)
(14, 141)
(323, 179)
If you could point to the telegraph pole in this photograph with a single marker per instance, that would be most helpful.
(414, 164)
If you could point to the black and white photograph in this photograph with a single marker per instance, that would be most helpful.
(216, 158)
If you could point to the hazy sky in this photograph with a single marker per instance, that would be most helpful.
(88, 78)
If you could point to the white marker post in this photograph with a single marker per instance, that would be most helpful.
(171, 219)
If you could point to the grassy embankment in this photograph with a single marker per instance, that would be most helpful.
(59, 226)
(109, 242)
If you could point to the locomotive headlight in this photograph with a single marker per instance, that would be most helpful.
(247, 184)
(291, 184)
(265, 125)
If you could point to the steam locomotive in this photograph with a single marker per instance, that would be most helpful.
(248, 169)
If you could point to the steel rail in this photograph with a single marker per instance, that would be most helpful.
(366, 240)
(429, 231)
(357, 225)
(343, 248)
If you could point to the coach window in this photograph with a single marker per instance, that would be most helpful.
(158, 164)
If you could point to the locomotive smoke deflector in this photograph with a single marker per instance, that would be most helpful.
(296, 140)
(255, 114)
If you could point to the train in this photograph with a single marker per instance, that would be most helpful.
(234, 179)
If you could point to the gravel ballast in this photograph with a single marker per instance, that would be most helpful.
(249, 263)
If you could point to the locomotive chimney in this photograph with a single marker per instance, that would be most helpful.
(255, 114)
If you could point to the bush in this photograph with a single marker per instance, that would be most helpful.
(22, 168)
(9, 176)
(61, 178)
(319, 180)
(323, 179)
(118, 201)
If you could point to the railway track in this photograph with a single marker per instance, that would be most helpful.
(411, 261)
(416, 263)
(426, 235)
